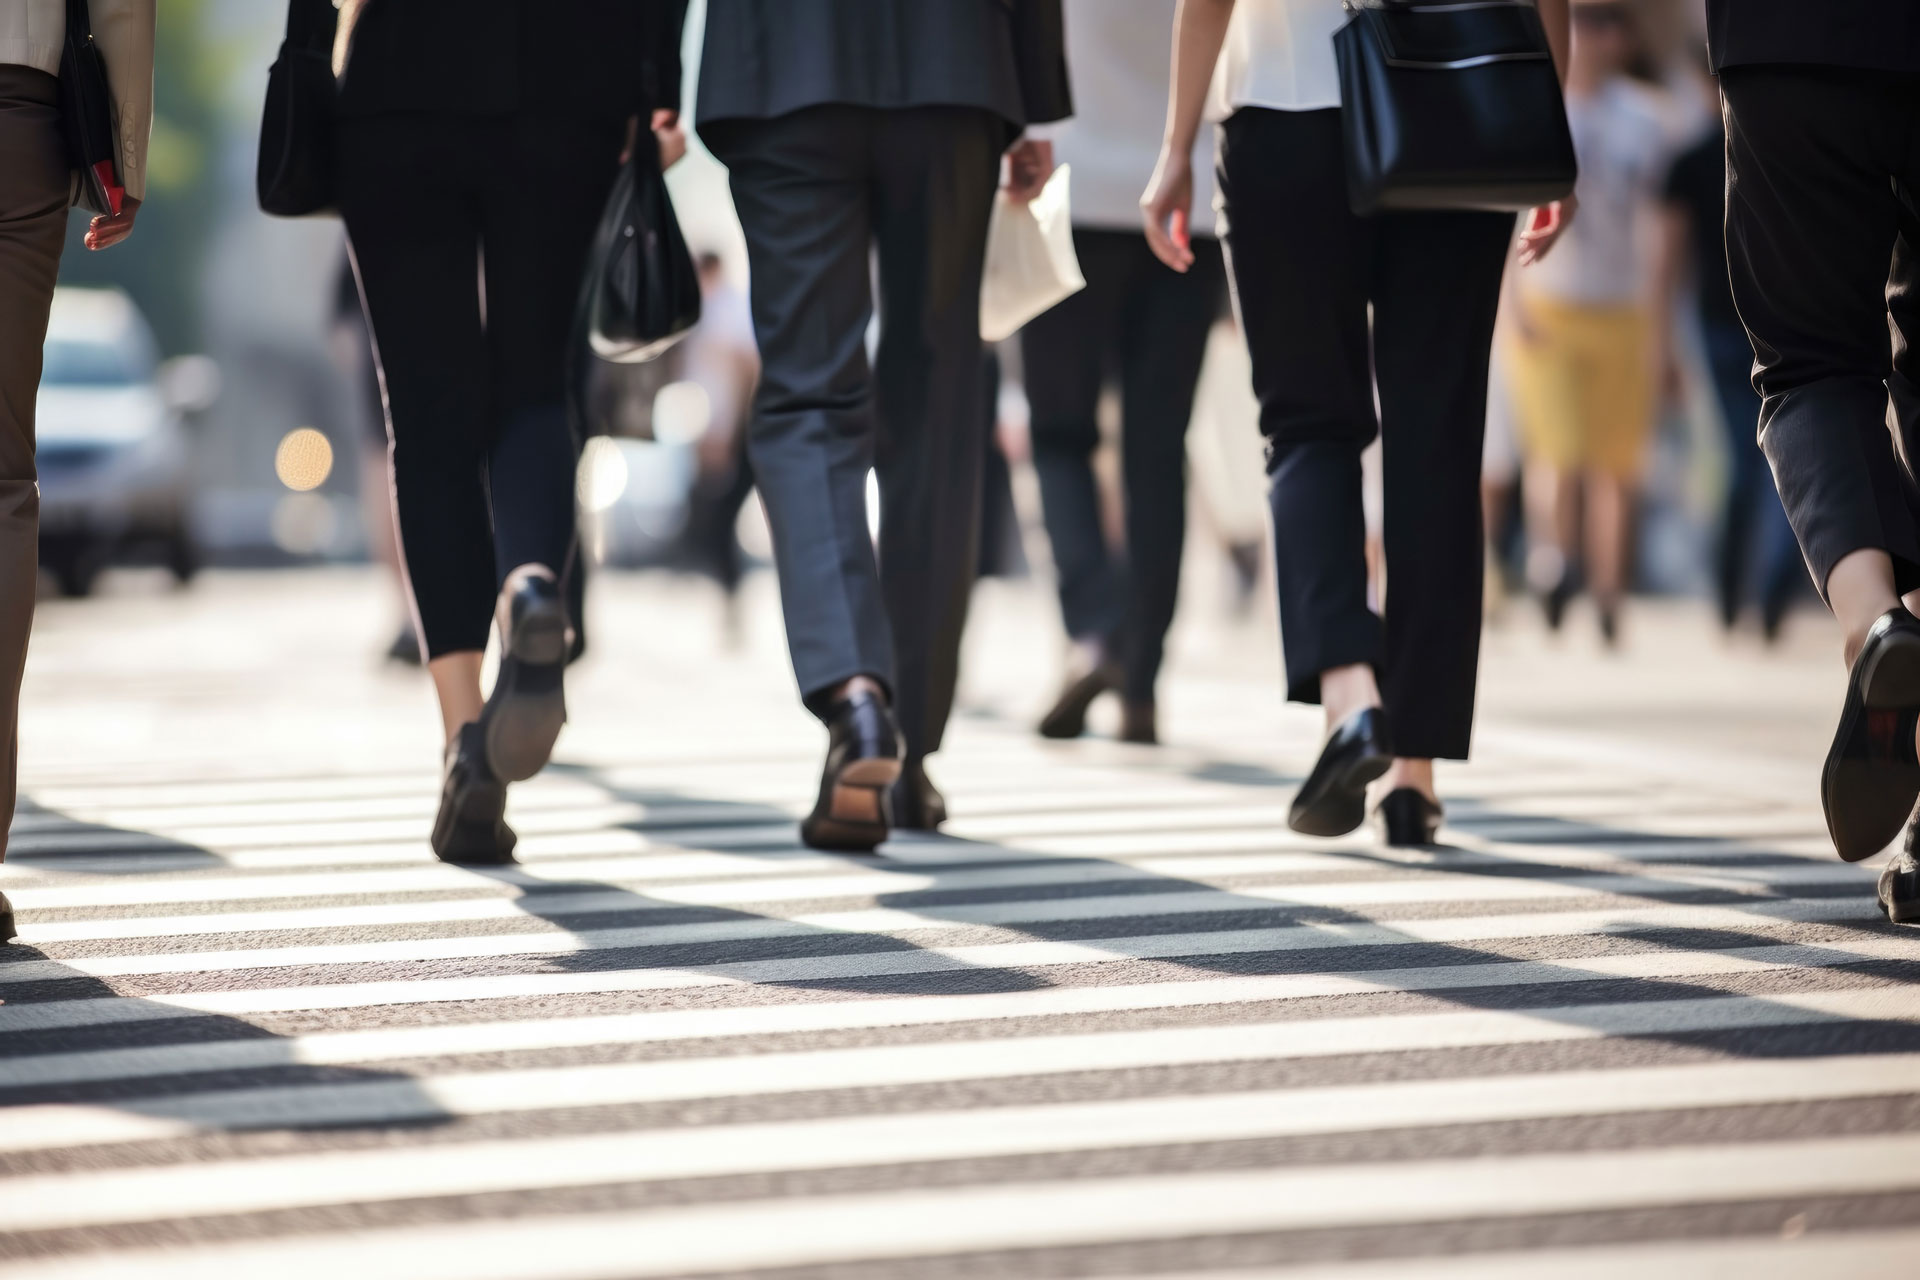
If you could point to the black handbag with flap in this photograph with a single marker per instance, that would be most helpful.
(86, 114)
(1451, 104)
(294, 177)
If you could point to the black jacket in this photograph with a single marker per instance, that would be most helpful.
(765, 58)
(1869, 35)
(611, 58)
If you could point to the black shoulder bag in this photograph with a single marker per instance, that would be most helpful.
(1451, 104)
(87, 116)
(294, 177)
(641, 293)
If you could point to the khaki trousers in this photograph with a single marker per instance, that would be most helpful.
(33, 224)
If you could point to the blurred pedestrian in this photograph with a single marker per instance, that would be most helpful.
(1138, 324)
(477, 142)
(1823, 163)
(37, 186)
(720, 357)
(1577, 350)
(1756, 555)
(1307, 274)
(848, 129)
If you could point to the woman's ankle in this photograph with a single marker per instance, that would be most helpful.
(1345, 690)
(1416, 775)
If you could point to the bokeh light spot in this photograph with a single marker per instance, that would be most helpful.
(304, 459)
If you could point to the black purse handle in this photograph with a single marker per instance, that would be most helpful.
(79, 20)
(307, 29)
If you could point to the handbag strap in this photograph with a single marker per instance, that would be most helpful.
(309, 25)
(79, 20)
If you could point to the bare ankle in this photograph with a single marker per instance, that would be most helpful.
(857, 684)
(1415, 775)
(1345, 690)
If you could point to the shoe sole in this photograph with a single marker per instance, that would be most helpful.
(528, 706)
(1068, 718)
(466, 831)
(1342, 807)
(856, 817)
(1867, 803)
(1900, 912)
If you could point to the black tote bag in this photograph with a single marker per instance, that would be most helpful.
(641, 294)
(294, 176)
(1451, 105)
(86, 114)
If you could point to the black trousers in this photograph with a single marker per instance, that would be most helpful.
(1823, 171)
(1146, 326)
(1305, 271)
(818, 193)
(472, 357)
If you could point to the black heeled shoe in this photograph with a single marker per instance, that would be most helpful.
(1408, 819)
(864, 757)
(1333, 799)
(917, 803)
(1067, 718)
(471, 825)
(523, 715)
(1872, 774)
(7, 933)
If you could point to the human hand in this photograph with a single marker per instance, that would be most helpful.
(671, 137)
(109, 229)
(1545, 226)
(1166, 207)
(1029, 165)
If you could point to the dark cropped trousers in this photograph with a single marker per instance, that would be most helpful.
(1144, 326)
(470, 234)
(1823, 175)
(1305, 272)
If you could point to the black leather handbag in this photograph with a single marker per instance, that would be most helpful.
(1451, 104)
(294, 177)
(86, 114)
(642, 293)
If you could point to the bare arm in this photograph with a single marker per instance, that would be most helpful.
(1199, 29)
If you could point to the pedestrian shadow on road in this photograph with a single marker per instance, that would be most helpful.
(71, 1036)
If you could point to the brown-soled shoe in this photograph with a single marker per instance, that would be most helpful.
(1067, 718)
(917, 803)
(471, 826)
(864, 756)
(528, 705)
(1872, 774)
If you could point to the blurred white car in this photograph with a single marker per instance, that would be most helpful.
(113, 454)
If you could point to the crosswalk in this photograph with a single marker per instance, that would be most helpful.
(1118, 1023)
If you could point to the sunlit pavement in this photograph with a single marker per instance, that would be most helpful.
(1631, 1018)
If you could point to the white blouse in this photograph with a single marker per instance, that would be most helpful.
(1279, 54)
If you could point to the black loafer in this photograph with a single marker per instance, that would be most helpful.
(863, 762)
(523, 715)
(1408, 819)
(7, 933)
(1333, 799)
(472, 826)
(1872, 776)
(917, 803)
(1067, 718)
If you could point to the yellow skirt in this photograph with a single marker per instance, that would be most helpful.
(1583, 391)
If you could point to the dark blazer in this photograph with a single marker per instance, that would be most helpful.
(766, 58)
(611, 58)
(1870, 35)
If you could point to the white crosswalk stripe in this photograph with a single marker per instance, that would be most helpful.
(1121, 1024)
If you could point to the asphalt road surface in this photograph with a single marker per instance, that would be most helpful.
(1632, 1018)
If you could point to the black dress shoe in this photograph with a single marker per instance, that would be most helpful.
(1139, 724)
(1408, 819)
(1872, 776)
(472, 825)
(863, 763)
(528, 704)
(6, 920)
(1067, 718)
(1333, 799)
(917, 803)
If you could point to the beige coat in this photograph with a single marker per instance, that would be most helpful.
(32, 33)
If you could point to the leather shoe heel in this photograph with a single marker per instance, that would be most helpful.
(917, 803)
(1872, 777)
(864, 754)
(7, 933)
(1408, 819)
(471, 826)
(1900, 889)
(528, 705)
(1333, 799)
(1067, 718)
